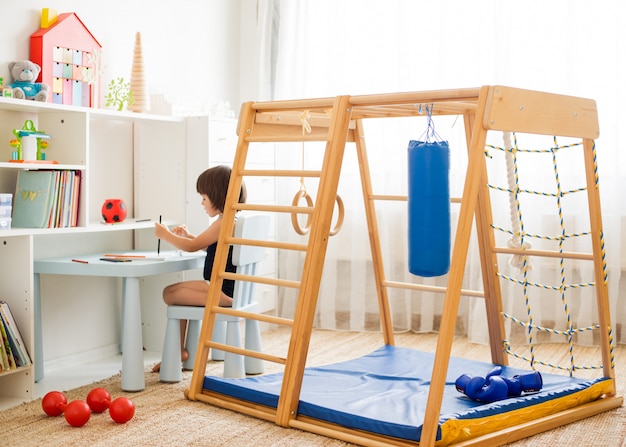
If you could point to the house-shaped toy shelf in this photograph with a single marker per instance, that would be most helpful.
(68, 55)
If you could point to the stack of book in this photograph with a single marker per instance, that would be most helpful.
(46, 199)
(13, 354)
(5, 211)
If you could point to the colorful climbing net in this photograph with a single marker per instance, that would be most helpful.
(520, 240)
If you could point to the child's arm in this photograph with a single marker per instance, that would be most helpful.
(183, 240)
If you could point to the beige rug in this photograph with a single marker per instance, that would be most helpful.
(165, 418)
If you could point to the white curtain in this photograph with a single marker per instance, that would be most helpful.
(329, 47)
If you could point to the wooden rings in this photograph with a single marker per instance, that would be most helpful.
(302, 194)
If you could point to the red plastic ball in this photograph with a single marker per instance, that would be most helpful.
(77, 413)
(114, 210)
(98, 400)
(53, 403)
(122, 410)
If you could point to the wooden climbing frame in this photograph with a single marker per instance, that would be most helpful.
(339, 120)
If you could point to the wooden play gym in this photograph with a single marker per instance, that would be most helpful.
(289, 398)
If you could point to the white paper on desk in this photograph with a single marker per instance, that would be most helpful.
(139, 256)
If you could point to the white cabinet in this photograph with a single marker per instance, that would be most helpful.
(149, 161)
(139, 158)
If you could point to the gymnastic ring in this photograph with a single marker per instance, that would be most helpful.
(340, 216)
(294, 216)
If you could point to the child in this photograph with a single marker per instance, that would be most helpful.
(212, 186)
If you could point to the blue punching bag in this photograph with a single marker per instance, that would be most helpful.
(429, 208)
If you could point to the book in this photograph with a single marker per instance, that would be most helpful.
(14, 334)
(4, 360)
(46, 199)
(33, 200)
(11, 341)
(74, 201)
(6, 345)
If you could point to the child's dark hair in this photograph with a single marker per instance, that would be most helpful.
(214, 184)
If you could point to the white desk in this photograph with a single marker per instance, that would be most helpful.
(130, 272)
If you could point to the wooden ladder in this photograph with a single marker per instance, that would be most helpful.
(329, 120)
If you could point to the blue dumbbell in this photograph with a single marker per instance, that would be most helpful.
(521, 383)
(482, 389)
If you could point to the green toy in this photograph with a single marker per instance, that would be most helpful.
(119, 93)
(28, 130)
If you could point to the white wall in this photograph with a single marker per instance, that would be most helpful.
(190, 47)
(191, 52)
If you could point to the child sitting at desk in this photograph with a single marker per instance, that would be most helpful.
(212, 186)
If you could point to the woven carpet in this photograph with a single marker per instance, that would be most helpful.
(164, 417)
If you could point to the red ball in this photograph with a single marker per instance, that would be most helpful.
(77, 413)
(114, 210)
(122, 410)
(54, 403)
(98, 400)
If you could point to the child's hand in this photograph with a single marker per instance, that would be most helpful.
(181, 230)
(160, 230)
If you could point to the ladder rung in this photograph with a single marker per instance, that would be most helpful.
(427, 288)
(267, 244)
(544, 253)
(252, 316)
(279, 173)
(261, 280)
(287, 137)
(246, 352)
(404, 198)
(278, 208)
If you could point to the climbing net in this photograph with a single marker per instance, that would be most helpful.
(522, 239)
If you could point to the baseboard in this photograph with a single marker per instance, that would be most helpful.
(82, 358)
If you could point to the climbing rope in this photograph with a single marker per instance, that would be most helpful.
(519, 239)
(303, 194)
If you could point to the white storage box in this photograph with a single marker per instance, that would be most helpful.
(5, 223)
(5, 199)
(5, 211)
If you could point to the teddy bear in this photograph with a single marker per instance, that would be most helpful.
(24, 75)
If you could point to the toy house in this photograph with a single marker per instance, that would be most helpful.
(68, 55)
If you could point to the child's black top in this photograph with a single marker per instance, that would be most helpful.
(228, 285)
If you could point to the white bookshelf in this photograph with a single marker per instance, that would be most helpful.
(139, 158)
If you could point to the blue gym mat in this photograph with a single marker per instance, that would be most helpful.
(385, 392)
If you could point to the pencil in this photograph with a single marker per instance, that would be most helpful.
(159, 241)
(80, 261)
(111, 255)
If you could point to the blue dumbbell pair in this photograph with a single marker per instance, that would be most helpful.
(494, 387)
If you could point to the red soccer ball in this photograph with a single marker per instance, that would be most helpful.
(114, 210)
(122, 410)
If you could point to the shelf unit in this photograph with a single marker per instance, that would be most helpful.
(139, 158)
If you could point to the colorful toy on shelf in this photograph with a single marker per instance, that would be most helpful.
(29, 144)
(25, 85)
(137, 81)
(69, 57)
(119, 94)
(114, 211)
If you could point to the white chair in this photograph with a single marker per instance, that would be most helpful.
(227, 328)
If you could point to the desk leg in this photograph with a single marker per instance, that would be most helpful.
(132, 343)
(37, 328)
